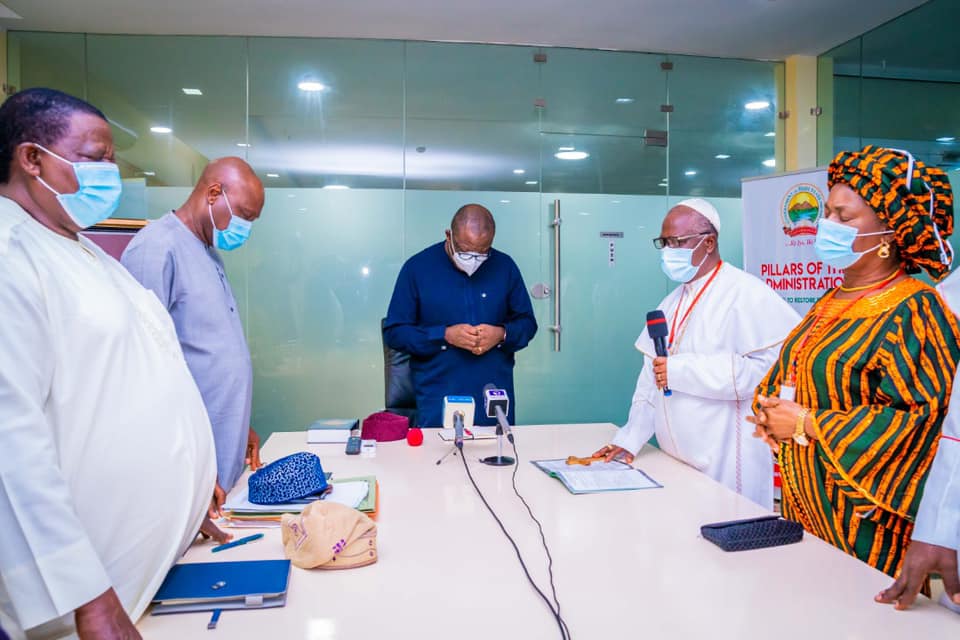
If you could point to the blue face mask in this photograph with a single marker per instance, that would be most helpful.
(834, 243)
(677, 263)
(236, 233)
(98, 191)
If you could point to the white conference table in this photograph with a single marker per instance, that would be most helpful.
(626, 563)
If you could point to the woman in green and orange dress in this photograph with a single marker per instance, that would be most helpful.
(854, 404)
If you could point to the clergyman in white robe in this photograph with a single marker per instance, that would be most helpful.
(108, 463)
(720, 353)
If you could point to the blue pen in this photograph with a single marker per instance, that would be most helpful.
(237, 543)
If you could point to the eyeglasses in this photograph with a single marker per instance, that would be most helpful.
(467, 256)
(675, 241)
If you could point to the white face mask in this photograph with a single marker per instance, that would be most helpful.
(677, 263)
(467, 261)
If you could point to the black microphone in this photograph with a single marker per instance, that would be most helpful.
(497, 403)
(657, 329)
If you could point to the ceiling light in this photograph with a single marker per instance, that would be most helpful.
(161, 129)
(243, 144)
(336, 187)
(625, 100)
(149, 173)
(614, 202)
(771, 162)
(530, 182)
(273, 175)
(770, 134)
(690, 172)
(946, 139)
(663, 184)
(311, 85)
(756, 105)
(519, 172)
(566, 148)
(571, 155)
(504, 202)
(192, 92)
(365, 271)
(721, 156)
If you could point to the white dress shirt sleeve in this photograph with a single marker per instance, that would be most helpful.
(722, 375)
(640, 424)
(47, 563)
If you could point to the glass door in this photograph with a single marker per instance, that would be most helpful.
(603, 192)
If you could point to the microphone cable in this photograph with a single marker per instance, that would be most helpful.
(564, 634)
(543, 537)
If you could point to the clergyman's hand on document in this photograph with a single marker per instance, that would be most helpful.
(612, 452)
(921, 560)
(463, 336)
(104, 617)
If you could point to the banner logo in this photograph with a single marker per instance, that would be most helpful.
(800, 210)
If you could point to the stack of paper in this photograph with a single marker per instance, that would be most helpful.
(240, 513)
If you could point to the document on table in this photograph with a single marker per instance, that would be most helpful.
(474, 433)
(598, 476)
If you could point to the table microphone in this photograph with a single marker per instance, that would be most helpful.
(658, 332)
(497, 404)
(458, 429)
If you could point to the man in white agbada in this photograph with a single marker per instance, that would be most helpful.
(108, 466)
(935, 541)
(719, 349)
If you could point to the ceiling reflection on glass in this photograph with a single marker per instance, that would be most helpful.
(899, 86)
(367, 114)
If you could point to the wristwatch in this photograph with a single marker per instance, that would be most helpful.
(800, 434)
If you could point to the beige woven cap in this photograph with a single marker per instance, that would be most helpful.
(328, 535)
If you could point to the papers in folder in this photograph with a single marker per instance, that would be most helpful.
(361, 493)
(597, 477)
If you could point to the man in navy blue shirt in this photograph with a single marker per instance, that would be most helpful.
(461, 310)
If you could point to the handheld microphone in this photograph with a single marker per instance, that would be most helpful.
(658, 332)
(497, 404)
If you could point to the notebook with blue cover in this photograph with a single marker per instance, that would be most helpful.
(242, 584)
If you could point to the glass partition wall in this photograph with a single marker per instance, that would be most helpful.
(897, 86)
(367, 148)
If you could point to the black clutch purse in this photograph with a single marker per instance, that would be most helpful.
(752, 533)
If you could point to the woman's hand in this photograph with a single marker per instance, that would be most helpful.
(776, 420)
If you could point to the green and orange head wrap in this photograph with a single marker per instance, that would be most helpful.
(914, 200)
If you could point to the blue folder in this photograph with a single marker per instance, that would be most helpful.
(242, 584)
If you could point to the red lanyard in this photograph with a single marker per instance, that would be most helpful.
(696, 299)
(814, 329)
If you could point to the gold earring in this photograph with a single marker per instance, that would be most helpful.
(884, 250)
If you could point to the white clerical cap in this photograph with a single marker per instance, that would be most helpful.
(704, 208)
